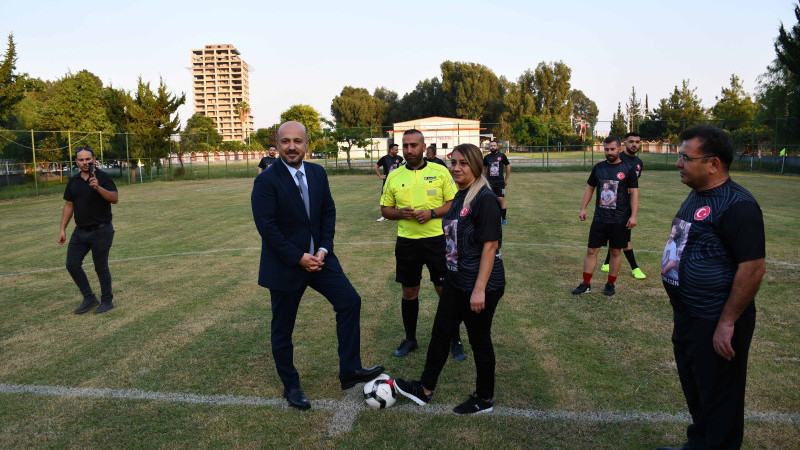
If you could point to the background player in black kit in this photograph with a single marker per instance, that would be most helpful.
(267, 160)
(494, 174)
(388, 162)
(611, 222)
(719, 273)
(430, 155)
(633, 142)
(89, 195)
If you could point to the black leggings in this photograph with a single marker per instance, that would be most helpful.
(453, 308)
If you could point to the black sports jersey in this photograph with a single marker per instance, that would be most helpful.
(266, 162)
(389, 163)
(712, 233)
(492, 162)
(436, 161)
(634, 160)
(90, 208)
(613, 201)
(465, 230)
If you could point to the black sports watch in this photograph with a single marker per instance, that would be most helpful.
(433, 213)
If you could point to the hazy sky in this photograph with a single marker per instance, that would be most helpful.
(306, 52)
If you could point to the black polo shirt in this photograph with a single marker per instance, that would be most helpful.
(389, 163)
(493, 162)
(634, 160)
(266, 162)
(90, 207)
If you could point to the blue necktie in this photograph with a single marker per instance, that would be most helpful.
(304, 194)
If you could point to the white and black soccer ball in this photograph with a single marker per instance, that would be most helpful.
(380, 393)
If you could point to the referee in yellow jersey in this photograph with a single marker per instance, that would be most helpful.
(417, 195)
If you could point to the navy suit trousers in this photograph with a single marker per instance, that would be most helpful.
(336, 288)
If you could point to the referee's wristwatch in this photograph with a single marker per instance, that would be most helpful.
(433, 214)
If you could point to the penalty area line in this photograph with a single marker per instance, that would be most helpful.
(225, 250)
(346, 410)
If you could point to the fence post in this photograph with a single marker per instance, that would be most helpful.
(33, 150)
(101, 148)
(127, 158)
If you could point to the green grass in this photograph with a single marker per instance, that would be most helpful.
(198, 323)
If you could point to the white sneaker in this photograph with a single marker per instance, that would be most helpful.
(381, 219)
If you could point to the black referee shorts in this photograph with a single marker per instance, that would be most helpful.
(412, 254)
(616, 235)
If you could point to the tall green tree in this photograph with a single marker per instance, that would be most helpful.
(78, 104)
(529, 131)
(355, 107)
(787, 45)
(266, 136)
(583, 108)
(391, 106)
(153, 119)
(734, 108)
(199, 135)
(426, 100)
(618, 127)
(471, 91)
(682, 109)
(309, 117)
(552, 91)
(633, 110)
(12, 84)
(243, 112)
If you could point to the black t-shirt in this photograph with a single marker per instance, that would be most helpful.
(613, 201)
(266, 162)
(635, 161)
(90, 207)
(389, 163)
(465, 230)
(436, 160)
(492, 162)
(712, 233)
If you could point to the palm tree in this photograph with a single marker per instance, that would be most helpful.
(243, 109)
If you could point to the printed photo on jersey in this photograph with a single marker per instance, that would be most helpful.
(450, 228)
(670, 261)
(608, 194)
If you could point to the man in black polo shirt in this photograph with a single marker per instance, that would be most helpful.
(388, 163)
(615, 212)
(430, 155)
(89, 195)
(633, 142)
(717, 246)
(494, 174)
(267, 160)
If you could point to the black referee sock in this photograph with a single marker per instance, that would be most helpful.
(503, 212)
(608, 258)
(631, 258)
(410, 312)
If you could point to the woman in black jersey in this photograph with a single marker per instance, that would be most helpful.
(473, 285)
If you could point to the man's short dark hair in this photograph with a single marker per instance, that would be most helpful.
(432, 148)
(713, 142)
(393, 146)
(414, 131)
(493, 140)
(612, 138)
(84, 149)
(634, 134)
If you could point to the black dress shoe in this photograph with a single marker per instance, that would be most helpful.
(360, 376)
(296, 398)
(86, 305)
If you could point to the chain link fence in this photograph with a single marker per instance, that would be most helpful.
(40, 162)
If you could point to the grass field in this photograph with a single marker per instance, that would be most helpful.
(588, 372)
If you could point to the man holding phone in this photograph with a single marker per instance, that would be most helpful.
(89, 195)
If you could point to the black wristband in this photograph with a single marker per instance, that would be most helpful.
(433, 213)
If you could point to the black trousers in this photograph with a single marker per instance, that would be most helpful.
(336, 288)
(714, 387)
(99, 243)
(454, 308)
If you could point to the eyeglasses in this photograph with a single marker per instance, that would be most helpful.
(685, 158)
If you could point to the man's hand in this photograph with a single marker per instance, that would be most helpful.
(631, 222)
(407, 213)
(93, 183)
(311, 263)
(62, 237)
(582, 215)
(722, 340)
(423, 215)
(382, 177)
(321, 254)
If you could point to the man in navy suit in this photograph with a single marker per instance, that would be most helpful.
(294, 212)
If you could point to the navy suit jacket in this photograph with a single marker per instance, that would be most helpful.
(286, 229)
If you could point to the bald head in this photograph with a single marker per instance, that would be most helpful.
(292, 143)
(292, 123)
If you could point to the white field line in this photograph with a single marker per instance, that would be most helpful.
(346, 410)
(224, 250)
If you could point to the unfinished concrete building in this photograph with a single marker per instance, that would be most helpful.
(220, 82)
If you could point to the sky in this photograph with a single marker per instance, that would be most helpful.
(305, 52)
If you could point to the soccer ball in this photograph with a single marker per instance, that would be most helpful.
(380, 393)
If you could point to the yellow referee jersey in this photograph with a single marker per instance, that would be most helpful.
(428, 187)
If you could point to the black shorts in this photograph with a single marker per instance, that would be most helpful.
(498, 187)
(412, 254)
(615, 234)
